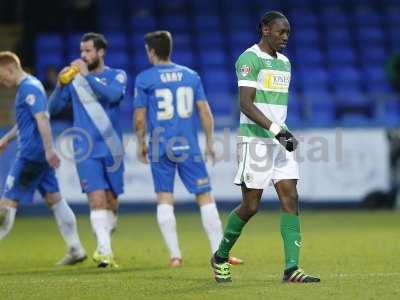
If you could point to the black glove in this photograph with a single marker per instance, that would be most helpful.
(287, 140)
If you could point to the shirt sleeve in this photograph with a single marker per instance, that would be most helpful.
(58, 100)
(113, 91)
(247, 68)
(36, 100)
(199, 94)
(141, 96)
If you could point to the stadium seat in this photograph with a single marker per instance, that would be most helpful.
(212, 57)
(206, 22)
(373, 55)
(308, 37)
(303, 18)
(340, 55)
(355, 120)
(334, 18)
(337, 36)
(370, 35)
(366, 17)
(116, 41)
(319, 108)
(345, 75)
(143, 23)
(317, 78)
(209, 38)
(183, 57)
(117, 59)
(49, 42)
(175, 23)
(309, 56)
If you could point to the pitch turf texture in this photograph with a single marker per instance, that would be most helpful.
(357, 255)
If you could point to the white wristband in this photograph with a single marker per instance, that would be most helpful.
(275, 128)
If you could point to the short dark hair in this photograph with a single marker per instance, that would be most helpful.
(99, 41)
(161, 42)
(268, 17)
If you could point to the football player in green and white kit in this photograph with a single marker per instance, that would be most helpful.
(265, 147)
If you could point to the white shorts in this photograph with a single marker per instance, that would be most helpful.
(260, 164)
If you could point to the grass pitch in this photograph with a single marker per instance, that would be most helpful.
(357, 255)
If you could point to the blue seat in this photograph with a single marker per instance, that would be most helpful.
(74, 41)
(242, 23)
(240, 38)
(309, 56)
(205, 7)
(334, 18)
(47, 42)
(220, 103)
(185, 58)
(118, 59)
(366, 17)
(218, 80)
(213, 57)
(182, 41)
(175, 22)
(370, 35)
(337, 36)
(303, 18)
(352, 99)
(319, 108)
(209, 38)
(295, 116)
(374, 72)
(309, 37)
(116, 41)
(207, 22)
(310, 79)
(355, 120)
(143, 23)
(345, 74)
(43, 61)
(373, 54)
(340, 55)
(392, 17)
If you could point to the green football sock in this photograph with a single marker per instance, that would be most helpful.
(232, 232)
(290, 231)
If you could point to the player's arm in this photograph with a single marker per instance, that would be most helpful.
(8, 137)
(59, 98)
(140, 119)
(44, 128)
(140, 131)
(207, 122)
(113, 91)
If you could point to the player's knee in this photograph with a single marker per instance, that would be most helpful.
(247, 210)
(290, 203)
(7, 216)
(98, 200)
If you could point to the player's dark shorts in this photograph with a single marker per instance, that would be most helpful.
(102, 173)
(191, 170)
(25, 177)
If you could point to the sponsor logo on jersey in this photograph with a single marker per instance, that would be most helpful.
(274, 80)
(30, 99)
(202, 181)
(245, 70)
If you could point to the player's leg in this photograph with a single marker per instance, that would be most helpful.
(8, 209)
(237, 220)
(64, 216)
(163, 173)
(212, 223)
(67, 226)
(112, 201)
(20, 186)
(114, 170)
(94, 184)
(290, 231)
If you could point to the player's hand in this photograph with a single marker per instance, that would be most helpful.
(287, 140)
(3, 144)
(142, 153)
(210, 153)
(59, 75)
(83, 68)
(52, 158)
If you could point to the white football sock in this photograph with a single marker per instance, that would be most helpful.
(166, 221)
(101, 226)
(66, 222)
(112, 219)
(7, 217)
(212, 225)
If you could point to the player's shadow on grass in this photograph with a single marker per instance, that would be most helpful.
(62, 271)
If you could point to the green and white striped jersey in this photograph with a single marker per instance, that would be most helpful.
(271, 77)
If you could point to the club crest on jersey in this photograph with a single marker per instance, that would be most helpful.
(245, 70)
(120, 78)
(30, 99)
